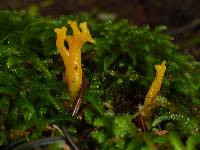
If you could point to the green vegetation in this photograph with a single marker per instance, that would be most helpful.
(119, 68)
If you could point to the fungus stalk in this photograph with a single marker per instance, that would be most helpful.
(72, 55)
(154, 89)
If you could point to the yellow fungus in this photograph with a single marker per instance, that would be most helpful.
(72, 55)
(156, 84)
(154, 89)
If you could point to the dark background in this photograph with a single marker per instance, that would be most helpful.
(182, 17)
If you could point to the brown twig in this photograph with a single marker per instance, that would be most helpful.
(80, 97)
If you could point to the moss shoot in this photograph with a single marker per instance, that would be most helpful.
(119, 68)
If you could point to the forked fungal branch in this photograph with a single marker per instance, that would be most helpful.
(72, 56)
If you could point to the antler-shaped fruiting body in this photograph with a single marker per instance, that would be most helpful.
(72, 56)
(154, 89)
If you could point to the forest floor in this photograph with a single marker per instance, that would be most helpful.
(180, 17)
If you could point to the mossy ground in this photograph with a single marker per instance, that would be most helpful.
(119, 68)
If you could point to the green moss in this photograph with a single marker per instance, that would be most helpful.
(119, 68)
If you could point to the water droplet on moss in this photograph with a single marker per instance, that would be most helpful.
(112, 73)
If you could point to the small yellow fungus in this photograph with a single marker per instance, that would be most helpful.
(154, 89)
(72, 55)
(156, 84)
